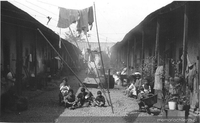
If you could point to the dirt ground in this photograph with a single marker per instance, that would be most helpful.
(44, 107)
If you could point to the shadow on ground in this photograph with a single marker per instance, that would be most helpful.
(131, 116)
(43, 105)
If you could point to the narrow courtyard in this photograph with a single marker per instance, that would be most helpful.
(44, 107)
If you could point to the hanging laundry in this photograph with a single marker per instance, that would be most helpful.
(158, 78)
(90, 17)
(83, 21)
(67, 17)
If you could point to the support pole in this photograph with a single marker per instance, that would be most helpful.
(128, 55)
(185, 35)
(101, 55)
(156, 62)
(198, 72)
(134, 52)
(62, 59)
(108, 88)
(36, 54)
(142, 53)
(101, 87)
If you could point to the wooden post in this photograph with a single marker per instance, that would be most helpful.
(185, 35)
(128, 54)
(36, 54)
(198, 72)
(157, 45)
(101, 55)
(134, 53)
(142, 53)
(19, 60)
(109, 91)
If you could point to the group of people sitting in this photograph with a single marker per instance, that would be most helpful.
(137, 85)
(138, 88)
(84, 98)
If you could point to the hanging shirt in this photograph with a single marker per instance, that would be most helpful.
(83, 21)
(67, 17)
(90, 17)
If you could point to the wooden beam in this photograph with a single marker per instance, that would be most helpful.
(185, 35)
(134, 52)
(128, 54)
(142, 51)
(157, 43)
(198, 72)
(36, 38)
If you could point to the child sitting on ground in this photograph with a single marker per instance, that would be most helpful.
(146, 86)
(89, 99)
(80, 99)
(64, 87)
(69, 99)
(100, 100)
(142, 94)
(131, 90)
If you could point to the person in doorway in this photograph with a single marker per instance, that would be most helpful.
(100, 100)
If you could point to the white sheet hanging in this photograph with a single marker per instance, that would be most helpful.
(158, 78)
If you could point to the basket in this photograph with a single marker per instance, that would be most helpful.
(151, 100)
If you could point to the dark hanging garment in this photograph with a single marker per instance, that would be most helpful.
(83, 21)
(90, 17)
